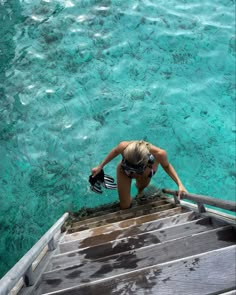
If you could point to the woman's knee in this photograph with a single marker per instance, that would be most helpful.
(142, 184)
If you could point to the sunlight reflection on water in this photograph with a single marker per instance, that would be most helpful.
(78, 77)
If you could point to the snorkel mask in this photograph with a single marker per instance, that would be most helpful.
(137, 168)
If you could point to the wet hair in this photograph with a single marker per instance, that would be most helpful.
(137, 152)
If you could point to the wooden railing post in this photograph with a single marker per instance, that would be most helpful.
(29, 278)
(24, 267)
(177, 201)
(201, 207)
(51, 244)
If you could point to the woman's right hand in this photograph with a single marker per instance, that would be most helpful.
(96, 170)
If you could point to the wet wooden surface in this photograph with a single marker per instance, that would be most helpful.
(122, 224)
(204, 274)
(129, 231)
(153, 248)
(134, 241)
(137, 259)
(126, 214)
(121, 213)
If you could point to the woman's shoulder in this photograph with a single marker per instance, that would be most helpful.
(156, 150)
(122, 145)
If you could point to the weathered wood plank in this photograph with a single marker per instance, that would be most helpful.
(137, 259)
(126, 215)
(114, 207)
(135, 241)
(209, 273)
(111, 215)
(121, 225)
(132, 230)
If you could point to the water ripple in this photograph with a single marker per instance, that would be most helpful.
(79, 75)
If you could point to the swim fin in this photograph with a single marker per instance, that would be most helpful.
(101, 179)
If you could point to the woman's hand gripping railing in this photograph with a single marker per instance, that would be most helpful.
(203, 200)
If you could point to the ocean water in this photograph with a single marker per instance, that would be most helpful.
(78, 77)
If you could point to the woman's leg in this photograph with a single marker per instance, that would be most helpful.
(143, 181)
(124, 185)
(141, 184)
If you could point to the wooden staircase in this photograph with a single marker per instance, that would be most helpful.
(152, 248)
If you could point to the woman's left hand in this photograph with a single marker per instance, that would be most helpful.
(181, 190)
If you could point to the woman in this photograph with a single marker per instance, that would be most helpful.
(140, 161)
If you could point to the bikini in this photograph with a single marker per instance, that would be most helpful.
(152, 172)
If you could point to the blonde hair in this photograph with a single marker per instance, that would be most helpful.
(137, 152)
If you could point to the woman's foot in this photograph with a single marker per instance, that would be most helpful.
(140, 194)
(141, 198)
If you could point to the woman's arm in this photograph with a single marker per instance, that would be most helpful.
(111, 155)
(161, 156)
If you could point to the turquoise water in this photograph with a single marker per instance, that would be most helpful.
(78, 77)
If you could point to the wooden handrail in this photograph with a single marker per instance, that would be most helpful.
(207, 200)
(24, 266)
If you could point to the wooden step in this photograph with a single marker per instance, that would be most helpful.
(122, 215)
(136, 259)
(117, 226)
(87, 213)
(203, 274)
(138, 240)
(136, 229)
(110, 215)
